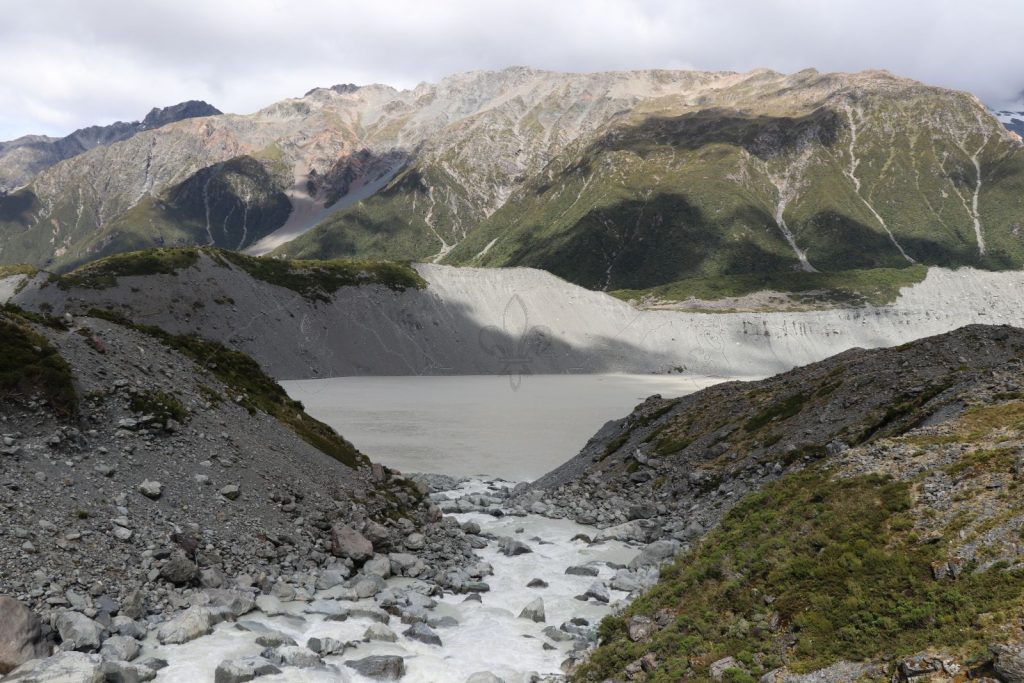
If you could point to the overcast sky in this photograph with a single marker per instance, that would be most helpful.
(70, 63)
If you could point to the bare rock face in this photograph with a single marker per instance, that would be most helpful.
(1009, 662)
(347, 542)
(21, 637)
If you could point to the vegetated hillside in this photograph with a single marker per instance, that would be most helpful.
(862, 509)
(735, 174)
(23, 158)
(621, 180)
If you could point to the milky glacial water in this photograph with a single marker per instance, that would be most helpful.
(469, 425)
(489, 636)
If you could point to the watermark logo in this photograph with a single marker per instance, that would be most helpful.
(517, 343)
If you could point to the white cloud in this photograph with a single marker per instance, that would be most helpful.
(66, 63)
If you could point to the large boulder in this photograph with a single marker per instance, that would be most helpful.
(534, 611)
(79, 632)
(236, 602)
(243, 669)
(120, 648)
(655, 554)
(423, 633)
(189, 625)
(66, 667)
(380, 667)
(347, 542)
(1008, 661)
(179, 570)
(21, 636)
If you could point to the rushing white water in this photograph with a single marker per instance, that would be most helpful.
(479, 424)
(489, 636)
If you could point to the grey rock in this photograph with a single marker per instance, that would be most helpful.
(415, 541)
(297, 656)
(598, 591)
(151, 489)
(329, 578)
(269, 605)
(78, 632)
(719, 667)
(243, 669)
(582, 570)
(65, 667)
(378, 565)
(1008, 661)
(274, 639)
(380, 632)
(179, 570)
(347, 542)
(380, 667)
(21, 636)
(122, 672)
(231, 492)
(422, 633)
(639, 628)
(126, 626)
(368, 586)
(534, 611)
(189, 625)
(329, 608)
(236, 602)
(122, 648)
(511, 547)
(537, 583)
(655, 554)
(325, 646)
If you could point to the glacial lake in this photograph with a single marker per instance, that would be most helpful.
(470, 425)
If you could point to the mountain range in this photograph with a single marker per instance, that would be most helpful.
(25, 157)
(623, 180)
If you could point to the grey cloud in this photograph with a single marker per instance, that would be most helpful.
(67, 63)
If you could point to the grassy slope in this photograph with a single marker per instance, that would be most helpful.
(397, 223)
(823, 565)
(661, 200)
(313, 279)
(877, 286)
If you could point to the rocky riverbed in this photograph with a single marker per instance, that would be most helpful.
(524, 608)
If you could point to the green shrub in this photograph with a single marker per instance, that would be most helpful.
(31, 368)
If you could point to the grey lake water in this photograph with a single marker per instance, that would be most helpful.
(467, 425)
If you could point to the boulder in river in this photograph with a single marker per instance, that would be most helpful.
(21, 636)
(422, 633)
(534, 611)
(598, 591)
(243, 669)
(582, 570)
(511, 547)
(189, 625)
(484, 677)
(381, 633)
(380, 667)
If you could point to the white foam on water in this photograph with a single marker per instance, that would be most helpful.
(490, 636)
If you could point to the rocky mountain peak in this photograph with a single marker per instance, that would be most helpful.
(191, 109)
